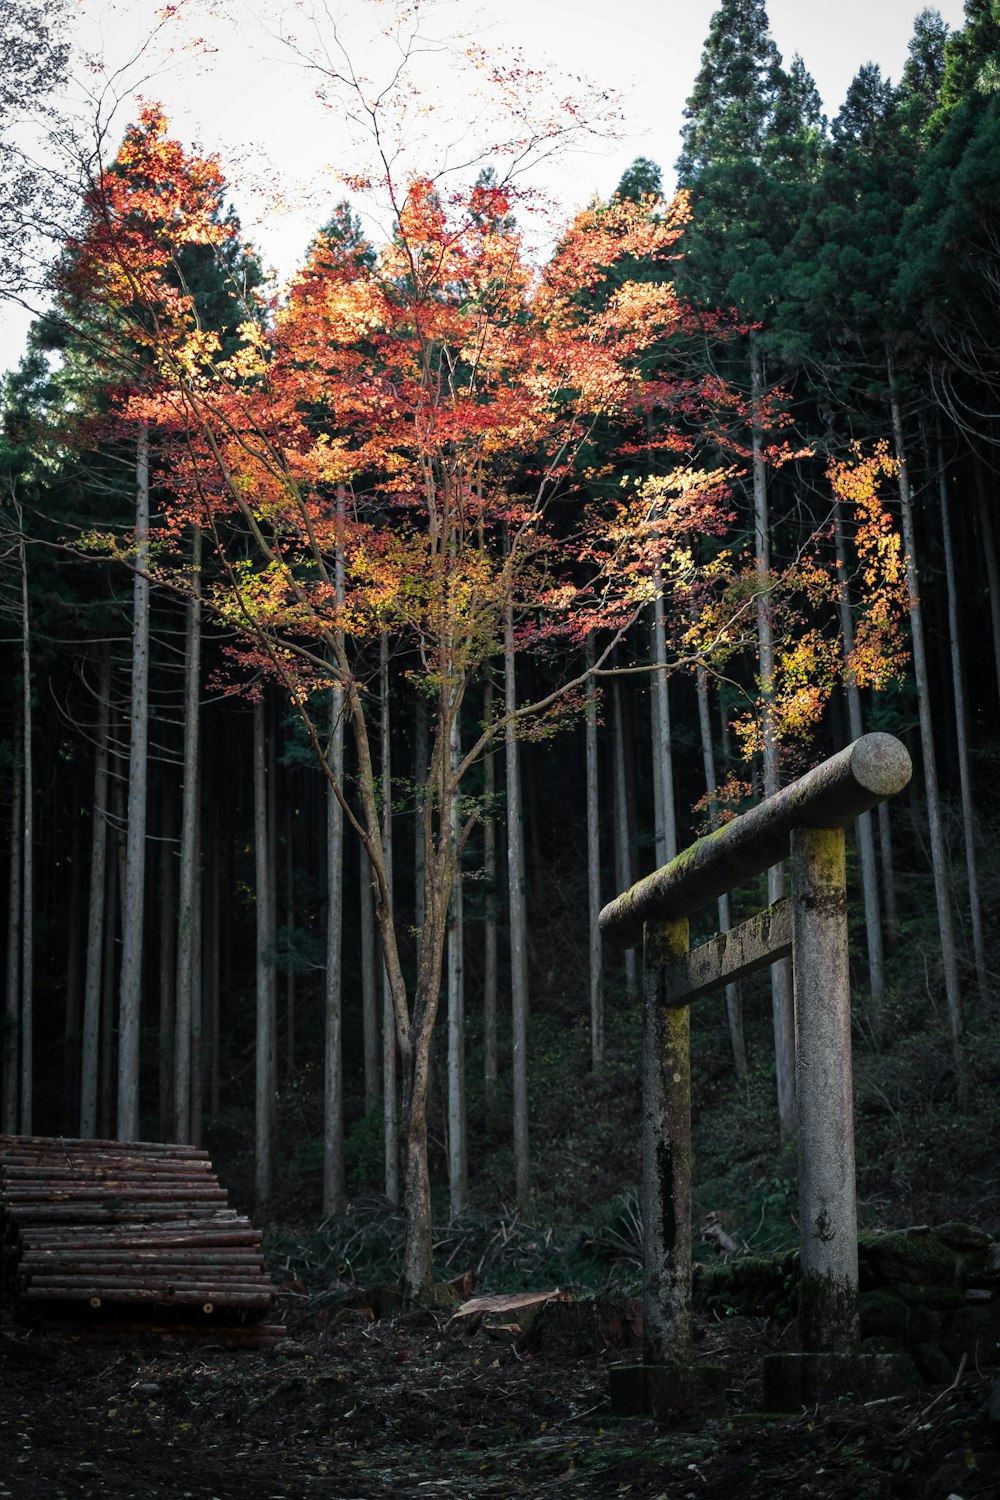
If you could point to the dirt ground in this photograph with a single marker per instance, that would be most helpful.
(417, 1406)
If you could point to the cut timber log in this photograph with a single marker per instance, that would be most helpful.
(110, 1330)
(105, 1226)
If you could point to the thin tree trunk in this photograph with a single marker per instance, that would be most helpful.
(961, 731)
(74, 949)
(12, 1016)
(458, 1161)
(888, 876)
(264, 1090)
(663, 771)
(623, 838)
(490, 968)
(734, 1008)
(28, 877)
(90, 1048)
(289, 941)
(168, 967)
(390, 1070)
(421, 756)
(518, 926)
(187, 956)
(992, 570)
(197, 999)
(273, 790)
(334, 1178)
(418, 1252)
(369, 1006)
(866, 835)
(596, 963)
(781, 973)
(213, 975)
(130, 991)
(116, 865)
(939, 860)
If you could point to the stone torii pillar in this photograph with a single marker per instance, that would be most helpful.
(806, 822)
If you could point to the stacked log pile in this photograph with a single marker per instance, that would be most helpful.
(127, 1235)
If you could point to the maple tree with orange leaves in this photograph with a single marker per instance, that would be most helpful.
(411, 422)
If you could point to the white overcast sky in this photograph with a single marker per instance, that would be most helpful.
(247, 100)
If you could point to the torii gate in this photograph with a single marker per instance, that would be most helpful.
(804, 821)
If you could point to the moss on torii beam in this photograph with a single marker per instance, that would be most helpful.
(832, 795)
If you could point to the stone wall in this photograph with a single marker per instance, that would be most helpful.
(929, 1294)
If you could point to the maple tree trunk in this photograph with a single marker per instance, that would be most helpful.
(418, 1256)
(518, 926)
(334, 1180)
(187, 955)
(939, 859)
(12, 1009)
(421, 753)
(782, 1005)
(264, 1069)
(623, 835)
(90, 1041)
(458, 1158)
(130, 980)
(595, 956)
(390, 1070)
(734, 1007)
(490, 967)
(961, 732)
(865, 824)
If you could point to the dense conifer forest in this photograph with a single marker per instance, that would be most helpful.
(804, 428)
(365, 636)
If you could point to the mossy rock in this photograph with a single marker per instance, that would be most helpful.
(941, 1297)
(925, 1325)
(934, 1364)
(908, 1255)
(883, 1314)
(754, 1285)
(901, 1360)
(974, 1330)
(963, 1237)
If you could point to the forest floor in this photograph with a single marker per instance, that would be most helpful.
(416, 1406)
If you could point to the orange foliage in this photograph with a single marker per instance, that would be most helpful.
(445, 385)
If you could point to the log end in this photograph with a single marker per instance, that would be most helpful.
(881, 764)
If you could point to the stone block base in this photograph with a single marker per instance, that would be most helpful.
(792, 1381)
(671, 1393)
